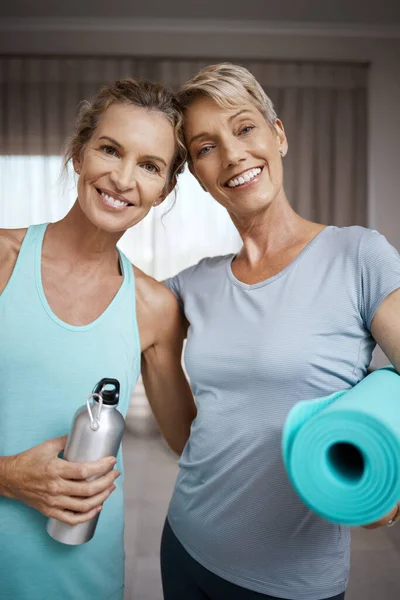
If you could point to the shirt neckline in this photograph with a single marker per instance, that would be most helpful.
(252, 286)
(46, 305)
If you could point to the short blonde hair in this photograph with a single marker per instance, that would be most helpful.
(228, 85)
(142, 93)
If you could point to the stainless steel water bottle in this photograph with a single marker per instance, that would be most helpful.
(96, 432)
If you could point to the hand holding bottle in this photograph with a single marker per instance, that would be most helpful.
(56, 487)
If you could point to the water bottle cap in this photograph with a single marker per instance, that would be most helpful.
(110, 397)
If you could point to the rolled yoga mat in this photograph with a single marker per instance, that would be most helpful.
(342, 452)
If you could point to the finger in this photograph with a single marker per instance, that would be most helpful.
(84, 470)
(72, 518)
(84, 505)
(89, 488)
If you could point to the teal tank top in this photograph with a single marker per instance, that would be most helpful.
(47, 370)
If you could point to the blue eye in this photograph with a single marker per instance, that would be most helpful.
(247, 129)
(204, 150)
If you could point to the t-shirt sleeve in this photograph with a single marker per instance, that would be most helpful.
(380, 272)
(182, 284)
(175, 285)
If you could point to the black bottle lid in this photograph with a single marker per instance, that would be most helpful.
(110, 397)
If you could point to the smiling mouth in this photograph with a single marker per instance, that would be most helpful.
(111, 201)
(244, 178)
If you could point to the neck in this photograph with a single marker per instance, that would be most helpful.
(272, 230)
(75, 237)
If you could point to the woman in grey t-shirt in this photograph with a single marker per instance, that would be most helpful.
(294, 315)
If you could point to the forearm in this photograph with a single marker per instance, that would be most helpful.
(166, 386)
(173, 406)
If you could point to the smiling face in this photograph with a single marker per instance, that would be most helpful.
(125, 167)
(235, 154)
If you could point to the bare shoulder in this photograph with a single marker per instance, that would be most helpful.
(157, 297)
(158, 311)
(10, 244)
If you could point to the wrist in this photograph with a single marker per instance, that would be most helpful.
(6, 470)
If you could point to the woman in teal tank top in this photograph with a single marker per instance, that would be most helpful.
(74, 310)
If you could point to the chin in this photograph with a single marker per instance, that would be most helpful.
(109, 223)
(112, 222)
(114, 228)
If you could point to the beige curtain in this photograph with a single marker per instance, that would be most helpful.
(323, 108)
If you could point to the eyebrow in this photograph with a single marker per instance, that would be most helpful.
(204, 134)
(156, 158)
(110, 139)
(148, 156)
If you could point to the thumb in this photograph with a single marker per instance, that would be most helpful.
(57, 444)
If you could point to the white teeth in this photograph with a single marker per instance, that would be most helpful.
(244, 178)
(112, 201)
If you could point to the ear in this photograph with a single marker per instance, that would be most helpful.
(160, 200)
(166, 191)
(281, 136)
(77, 164)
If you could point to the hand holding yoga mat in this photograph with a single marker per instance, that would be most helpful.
(342, 452)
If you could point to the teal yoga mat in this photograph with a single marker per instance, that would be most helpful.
(342, 452)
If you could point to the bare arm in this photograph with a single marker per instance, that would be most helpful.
(165, 383)
(385, 329)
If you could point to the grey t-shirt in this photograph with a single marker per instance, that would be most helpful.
(252, 352)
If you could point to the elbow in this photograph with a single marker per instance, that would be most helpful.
(178, 446)
(177, 443)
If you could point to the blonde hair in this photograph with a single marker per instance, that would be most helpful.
(142, 93)
(228, 85)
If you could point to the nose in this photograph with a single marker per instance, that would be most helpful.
(232, 153)
(123, 176)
